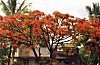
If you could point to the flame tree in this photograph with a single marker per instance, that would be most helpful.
(38, 28)
(18, 29)
(56, 29)
(47, 30)
(90, 37)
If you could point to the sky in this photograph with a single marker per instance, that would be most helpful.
(72, 7)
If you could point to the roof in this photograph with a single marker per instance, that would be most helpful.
(27, 52)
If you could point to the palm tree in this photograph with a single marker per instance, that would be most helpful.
(11, 7)
(94, 11)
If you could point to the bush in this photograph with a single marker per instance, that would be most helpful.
(16, 63)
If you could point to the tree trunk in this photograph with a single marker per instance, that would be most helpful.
(9, 56)
(39, 53)
(51, 56)
(36, 56)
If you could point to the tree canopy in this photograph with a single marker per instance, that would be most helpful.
(36, 27)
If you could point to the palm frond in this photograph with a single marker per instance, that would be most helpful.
(94, 8)
(5, 8)
(21, 6)
(24, 9)
(9, 8)
(89, 10)
(98, 9)
(9, 4)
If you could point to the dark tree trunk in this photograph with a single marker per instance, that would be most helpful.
(51, 52)
(36, 56)
(39, 53)
(9, 56)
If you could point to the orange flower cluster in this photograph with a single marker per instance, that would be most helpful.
(25, 27)
(14, 45)
(36, 31)
(90, 27)
(62, 31)
(36, 13)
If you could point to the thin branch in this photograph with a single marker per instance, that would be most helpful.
(31, 41)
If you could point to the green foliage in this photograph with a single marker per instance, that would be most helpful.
(16, 63)
(11, 7)
(41, 43)
(44, 61)
(4, 52)
(94, 10)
